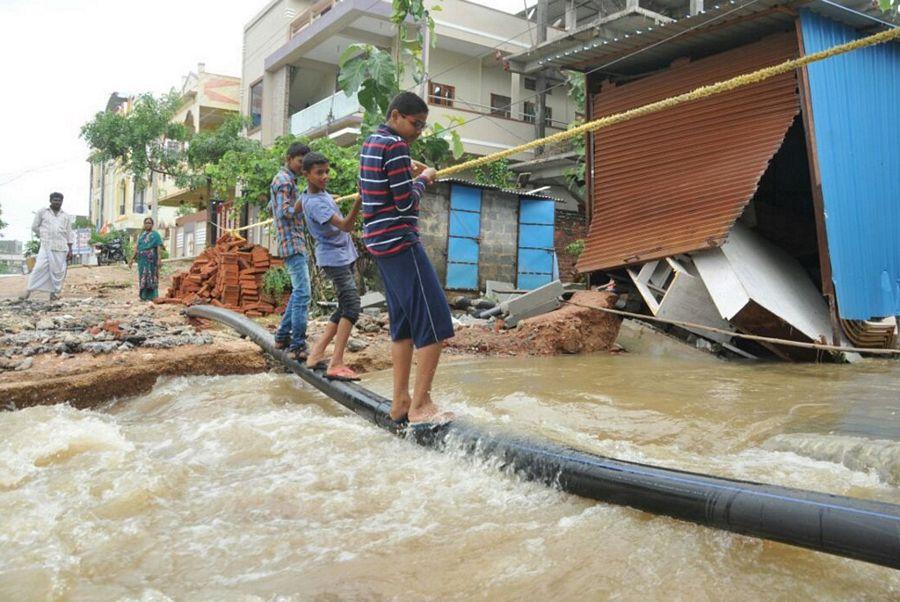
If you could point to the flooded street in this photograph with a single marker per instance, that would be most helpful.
(257, 487)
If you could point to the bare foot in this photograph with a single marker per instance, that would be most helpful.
(314, 359)
(430, 413)
(400, 408)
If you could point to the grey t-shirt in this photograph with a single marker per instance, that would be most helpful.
(334, 248)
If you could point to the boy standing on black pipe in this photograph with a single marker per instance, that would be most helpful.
(335, 254)
(418, 311)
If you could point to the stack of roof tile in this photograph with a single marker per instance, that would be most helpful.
(228, 275)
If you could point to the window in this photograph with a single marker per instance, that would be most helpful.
(173, 147)
(500, 105)
(529, 111)
(441, 94)
(121, 194)
(256, 102)
(531, 84)
(139, 206)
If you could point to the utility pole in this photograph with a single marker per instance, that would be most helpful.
(572, 15)
(154, 194)
(426, 58)
(540, 79)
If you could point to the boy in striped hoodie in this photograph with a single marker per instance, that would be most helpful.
(417, 308)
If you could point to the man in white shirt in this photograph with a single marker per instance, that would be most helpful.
(54, 227)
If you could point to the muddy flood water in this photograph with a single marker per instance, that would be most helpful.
(260, 488)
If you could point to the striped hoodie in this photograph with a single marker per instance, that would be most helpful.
(390, 194)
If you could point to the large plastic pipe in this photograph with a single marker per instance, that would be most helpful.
(860, 529)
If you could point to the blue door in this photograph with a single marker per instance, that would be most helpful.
(536, 250)
(463, 242)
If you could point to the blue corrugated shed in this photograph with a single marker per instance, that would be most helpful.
(856, 109)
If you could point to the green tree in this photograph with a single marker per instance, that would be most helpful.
(208, 148)
(889, 5)
(409, 16)
(344, 162)
(82, 222)
(439, 146)
(496, 173)
(575, 175)
(251, 169)
(32, 247)
(2, 223)
(137, 140)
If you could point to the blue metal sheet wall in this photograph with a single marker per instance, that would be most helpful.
(537, 254)
(856, 110)
(463, 243)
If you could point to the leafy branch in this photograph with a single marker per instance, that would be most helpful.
(374, 76)
(413, 44)
(575, 175)
(371, 74)
(142, 140)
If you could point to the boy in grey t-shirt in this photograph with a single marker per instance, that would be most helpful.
(335, 254)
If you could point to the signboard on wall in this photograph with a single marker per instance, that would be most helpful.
(82, 244)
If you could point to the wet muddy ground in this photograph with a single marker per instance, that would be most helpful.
(99, 342)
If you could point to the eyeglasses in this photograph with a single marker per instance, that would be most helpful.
(416, 123)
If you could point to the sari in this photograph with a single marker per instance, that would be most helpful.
(148, 246)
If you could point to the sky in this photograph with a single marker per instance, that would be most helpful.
(61, 59)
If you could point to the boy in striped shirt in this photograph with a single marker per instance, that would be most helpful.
(417, 308)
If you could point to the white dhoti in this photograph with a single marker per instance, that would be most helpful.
(49, 271)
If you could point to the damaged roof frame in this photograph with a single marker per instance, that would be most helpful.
(723, 28)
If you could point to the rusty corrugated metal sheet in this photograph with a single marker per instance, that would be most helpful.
(676, 181)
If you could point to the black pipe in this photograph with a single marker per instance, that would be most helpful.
(860, 529)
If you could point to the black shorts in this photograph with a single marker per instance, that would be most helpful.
(417, 307)
(345, 290)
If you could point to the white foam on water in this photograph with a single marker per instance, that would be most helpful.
(38, 437)
(877, 457)
(255, 487)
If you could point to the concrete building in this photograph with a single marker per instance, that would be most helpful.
(289, 77)
(119, 202)
(208, 99)
(292, 47)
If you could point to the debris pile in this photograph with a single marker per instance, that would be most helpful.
(228, 275)
(576, 327)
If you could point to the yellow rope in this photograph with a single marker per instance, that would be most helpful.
(655, 107)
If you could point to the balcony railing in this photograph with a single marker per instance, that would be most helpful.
(503, 112)
(326, 111)
(306, 18)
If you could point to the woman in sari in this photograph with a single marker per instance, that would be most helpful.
(148, 255)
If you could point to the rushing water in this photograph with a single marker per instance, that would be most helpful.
(259, 488)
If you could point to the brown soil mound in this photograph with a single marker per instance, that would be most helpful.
(570, 329)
